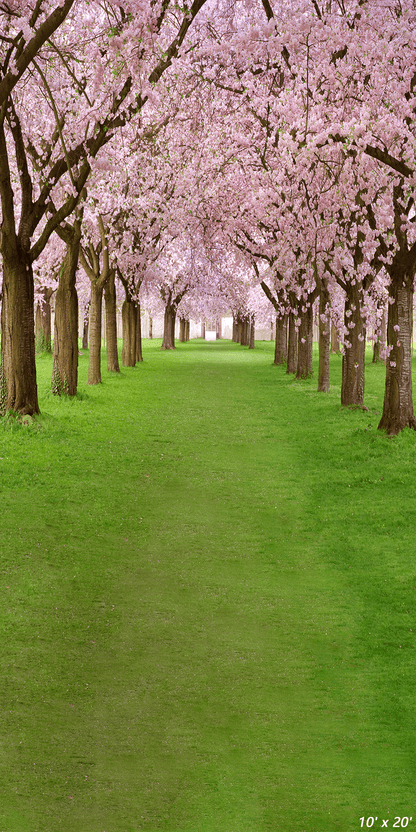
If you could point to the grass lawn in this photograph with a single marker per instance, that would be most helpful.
(208, 619)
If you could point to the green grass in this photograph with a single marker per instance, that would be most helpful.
(208, 621)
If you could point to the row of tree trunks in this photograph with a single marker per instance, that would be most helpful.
(184, 330)
(244, 330)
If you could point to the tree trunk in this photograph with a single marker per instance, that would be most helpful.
(128, 315)
(150, 327)
(353, 370)
(43, 326)
(65, 340)
(138, 354)
(96, 306)
(182, 323)
(304, 366)
(324, 340)
(202, 329)
(18, 331)
(398, 397)
(292, 345)
(235, 330)
(187, 330)
(168, 342)
(334, 340)
(251, 332)
(85, 326)
(111, 324)
(280, 348)
(376, 351)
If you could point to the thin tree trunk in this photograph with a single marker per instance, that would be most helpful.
(150, 327)
(376, 351)
(292, 345)
(235, 330)
(65, 341)
(202, 329)
(398, 395)
(128, 315)
(139, 353)
(304, 366)
(94, 365)
(252, 333)
(182, 323)
(353, 369)
(43, 322)
(85, 327)
(111, 324)
(324, 340)
(187, 330)
(18, 331)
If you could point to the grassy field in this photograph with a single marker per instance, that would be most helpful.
(208, 619)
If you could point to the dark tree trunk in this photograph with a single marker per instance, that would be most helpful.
(168, 342)
(111, 324)
(65, 341)
(18, 331)
(96, 306)
(139, 354)
(128, 315)
(292, 345)
(43, 325)
(376, 351)
(304, 366)
(235, 330)
(218, 327)
(187, 330)
(182, 324)
(353, 370)
(202, 329)
(85, 326)
(398, 396)
(280, 347)
(150, 327)
(324, 340)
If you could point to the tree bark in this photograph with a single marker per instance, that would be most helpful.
(43, 325)
(292, 345)
(111, 324)
(182, 323)
(235, 330)
(187, 330)
(280, 348)
(138, 352)
(202, 329)
(334, 340)
(353, 369)
(251, 332)
(65, 341)
(304, 366)
(168, 342)
(150, 327)
(324, 340)
(85, 327)
(128, 314)
(398, 396)
(18, 330)
(96, 307)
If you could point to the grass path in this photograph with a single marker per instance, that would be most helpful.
(208, 621)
